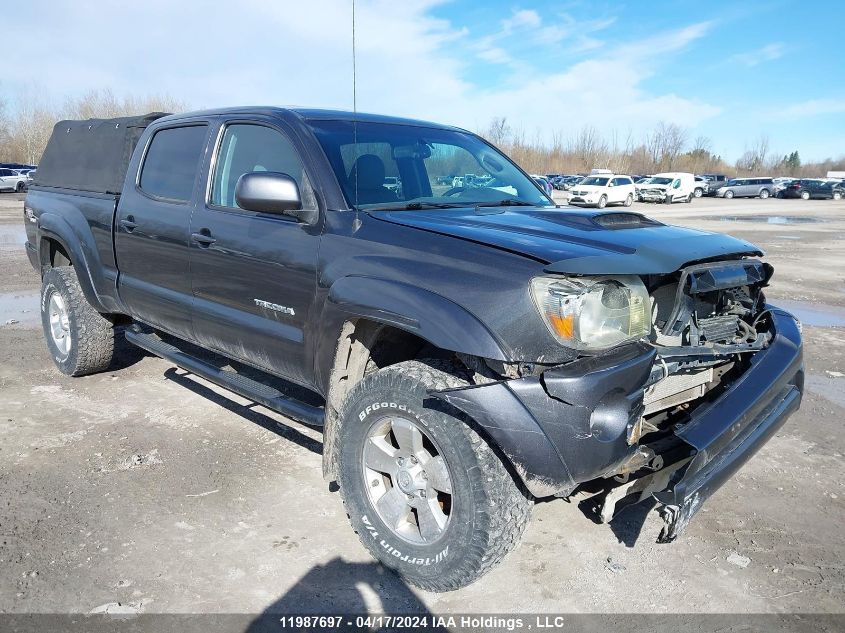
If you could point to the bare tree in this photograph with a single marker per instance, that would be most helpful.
(498, 132)
(589, 148)
(757, 158)
(665, 144)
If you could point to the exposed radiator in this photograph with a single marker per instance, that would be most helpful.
(676, 389)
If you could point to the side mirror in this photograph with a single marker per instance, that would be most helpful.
(271, 192)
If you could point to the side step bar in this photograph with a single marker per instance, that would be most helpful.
(241, 385)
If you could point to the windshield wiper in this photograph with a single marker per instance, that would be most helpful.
(416, 206)
(508, 202)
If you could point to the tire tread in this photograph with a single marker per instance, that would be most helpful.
(503, 517)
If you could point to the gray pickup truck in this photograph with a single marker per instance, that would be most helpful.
(465, 349)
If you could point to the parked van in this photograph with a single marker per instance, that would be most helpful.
(747, 188)
(674, 186)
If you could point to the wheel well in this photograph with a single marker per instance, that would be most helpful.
(364, 347)
(53, 254)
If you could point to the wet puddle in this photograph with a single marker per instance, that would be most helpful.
(827, 387)
(770, 219)
(11, 235)
(20, 308)
(814, 314)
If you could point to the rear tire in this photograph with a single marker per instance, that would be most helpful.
(837, 195)
(805, 195)
(80, 339)
(478, 520)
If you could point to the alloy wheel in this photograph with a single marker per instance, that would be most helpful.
(407, 480)
(59, 323)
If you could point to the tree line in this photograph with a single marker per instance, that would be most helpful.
(27, 121)
(667, 147)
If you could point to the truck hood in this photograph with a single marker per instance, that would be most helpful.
(578, 241)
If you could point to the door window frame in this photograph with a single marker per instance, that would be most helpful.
(201, 159)
(212, 166)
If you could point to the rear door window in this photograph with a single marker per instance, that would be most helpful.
(172, 161)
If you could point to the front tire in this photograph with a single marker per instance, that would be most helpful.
(698, 192)
(602, 202)
(729, 194)
(629, 200)
(805, 195)
(764, 193)
(425, 493)
(837, 195)
(80, 339)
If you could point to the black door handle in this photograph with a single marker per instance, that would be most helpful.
(203, 238)
(128, 223)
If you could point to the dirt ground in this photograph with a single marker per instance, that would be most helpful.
(150, 488)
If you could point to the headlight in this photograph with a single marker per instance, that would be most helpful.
(593, 313)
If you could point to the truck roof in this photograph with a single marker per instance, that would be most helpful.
(312, 114)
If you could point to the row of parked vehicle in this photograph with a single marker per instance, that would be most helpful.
(603, 187)
(16, 176)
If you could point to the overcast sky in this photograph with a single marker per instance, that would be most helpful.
(730, 71)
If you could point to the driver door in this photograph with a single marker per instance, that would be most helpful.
(254, 274)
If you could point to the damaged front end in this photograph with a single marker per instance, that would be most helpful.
(671, 417)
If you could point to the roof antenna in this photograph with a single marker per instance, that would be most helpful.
(357, 223)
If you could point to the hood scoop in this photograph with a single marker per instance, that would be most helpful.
(623, 220)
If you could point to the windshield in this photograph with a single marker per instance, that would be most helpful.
(593, 180)
(424, 167)
(659, 180)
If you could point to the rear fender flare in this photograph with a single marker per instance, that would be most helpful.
(56, 228)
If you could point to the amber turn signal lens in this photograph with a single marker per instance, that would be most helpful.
(564, 326)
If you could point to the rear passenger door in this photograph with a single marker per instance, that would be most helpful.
(254, 274)
(152, 229)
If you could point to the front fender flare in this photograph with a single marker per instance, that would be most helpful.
(430, 316)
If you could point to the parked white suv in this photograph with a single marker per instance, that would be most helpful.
(675, 186)
(602, 190)
(11, 180)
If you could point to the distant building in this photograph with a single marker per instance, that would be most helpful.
(836, 174)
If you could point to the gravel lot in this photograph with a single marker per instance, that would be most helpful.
(153, 489)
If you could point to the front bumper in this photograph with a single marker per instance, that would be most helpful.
(727, 432)
(652, 195)
(571, 424)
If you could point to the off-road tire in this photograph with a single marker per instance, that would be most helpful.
(490, 509)
(92, 336)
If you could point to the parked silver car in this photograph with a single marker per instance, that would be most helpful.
(747, 188)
